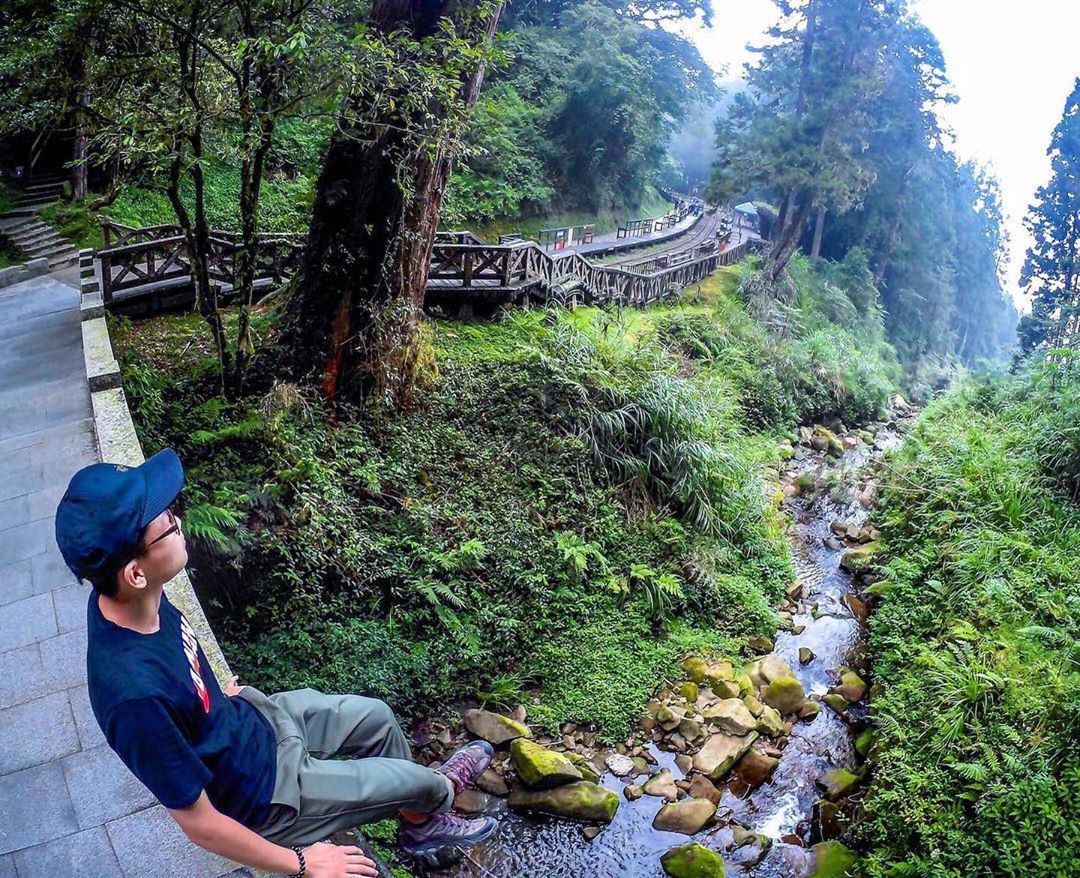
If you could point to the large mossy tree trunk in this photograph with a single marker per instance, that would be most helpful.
(353, 318)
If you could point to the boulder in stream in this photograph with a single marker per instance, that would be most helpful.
(703, 788)
(785, 694)
(692, 861)
(771, 723)
(731, 715)
(541, 768)
(619, 765)
(851, 686)
(755, 768)
(581, 800)
(859, 559)
(687, 816)
(721, 752)
(662, 785)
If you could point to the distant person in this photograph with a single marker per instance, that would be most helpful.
(251, 778)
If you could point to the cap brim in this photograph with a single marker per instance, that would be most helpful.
(164, 479)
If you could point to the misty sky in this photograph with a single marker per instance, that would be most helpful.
(1011, 64)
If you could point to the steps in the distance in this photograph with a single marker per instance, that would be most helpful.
(29, 234)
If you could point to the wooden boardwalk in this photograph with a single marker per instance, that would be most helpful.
(147, 270)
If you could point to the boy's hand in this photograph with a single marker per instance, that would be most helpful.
(337, 861)
(231, 688)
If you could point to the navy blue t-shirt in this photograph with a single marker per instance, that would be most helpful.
(162, 711)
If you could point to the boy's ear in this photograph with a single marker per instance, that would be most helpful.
(131, 574)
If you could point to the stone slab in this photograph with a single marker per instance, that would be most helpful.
(27, 621)
(86, 854)
(102, 370)
(26, 540)
(90, 734)
(149, 844)
(22, 675)
(37, 731)
(16, 581)
(14, 511)
(49, 570)
(102, 788)
(69, 603)
(63, 659)
(34, 807)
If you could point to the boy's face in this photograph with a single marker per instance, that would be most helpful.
(166, 552)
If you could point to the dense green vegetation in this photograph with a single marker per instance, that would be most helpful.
(581, 118)
(574, 501)
(977, 642)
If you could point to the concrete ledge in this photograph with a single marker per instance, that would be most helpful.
(15, 274)
(91, 306)
(102, 370)
(118, 443)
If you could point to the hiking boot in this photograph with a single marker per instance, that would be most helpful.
(467, 763)
(445, 830)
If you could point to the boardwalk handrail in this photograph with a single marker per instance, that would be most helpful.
(136, 260)
(459, 260)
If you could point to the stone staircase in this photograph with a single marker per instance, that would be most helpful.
(24, 229)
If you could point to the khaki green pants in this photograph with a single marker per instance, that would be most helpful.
(315, 794)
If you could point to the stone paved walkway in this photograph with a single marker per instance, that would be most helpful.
(68, 806)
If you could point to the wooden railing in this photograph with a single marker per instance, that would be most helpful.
(459, 261)
(158, 258)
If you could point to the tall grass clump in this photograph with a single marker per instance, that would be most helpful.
(821, 355)
(977, 644)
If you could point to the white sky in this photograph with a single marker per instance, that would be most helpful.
(1012, 64)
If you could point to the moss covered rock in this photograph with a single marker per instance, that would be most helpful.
(717, 672)
(694, 668)
(785, 694)
(836, 702)
(726, 689)
(851, 686)
(771, 723)
(837, 783)
(692, 861)
(688, 691)
(541, 768)
(583, 765)
(581, 800)
(859, 559)
(831, 860)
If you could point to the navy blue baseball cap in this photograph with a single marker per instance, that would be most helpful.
(107, 506)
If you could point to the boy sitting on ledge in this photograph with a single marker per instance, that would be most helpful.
(247, 776)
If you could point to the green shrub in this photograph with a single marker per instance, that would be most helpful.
(977, 646)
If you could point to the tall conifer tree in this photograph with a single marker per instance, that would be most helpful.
(1052, 268)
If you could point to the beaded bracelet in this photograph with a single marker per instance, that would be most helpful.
(299, 851)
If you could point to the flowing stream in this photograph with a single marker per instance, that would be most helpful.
(780, 809)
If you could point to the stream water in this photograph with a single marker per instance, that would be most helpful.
(781, 809)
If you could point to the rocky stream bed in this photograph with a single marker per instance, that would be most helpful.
(751, 770)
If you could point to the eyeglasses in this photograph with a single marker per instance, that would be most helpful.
(172, 530)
